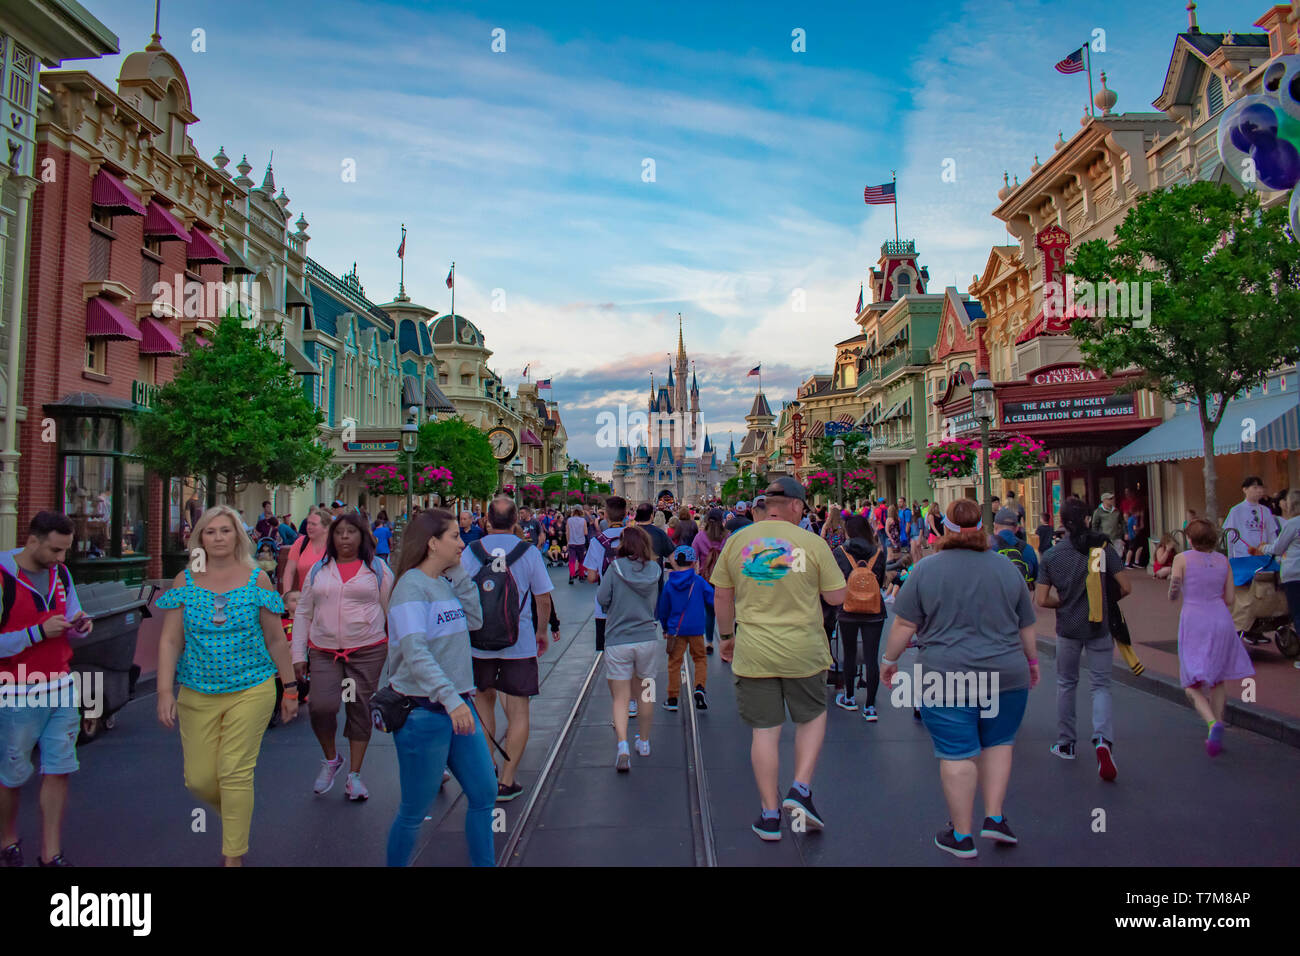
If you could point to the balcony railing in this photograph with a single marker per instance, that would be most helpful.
(903, 359)
(899, 247)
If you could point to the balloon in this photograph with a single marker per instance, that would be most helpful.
(1282, 81)
(1295, 215)
(1256, 126)
(1233, 156)
(1278, 166)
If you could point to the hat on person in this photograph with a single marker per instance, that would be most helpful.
(684, 555)
(1108, 494)
(786, 487)
(339, 503)
(742, 507)
(1007, 516)
(716, 514)
(760, 501)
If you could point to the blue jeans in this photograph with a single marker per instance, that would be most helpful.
(425, 745)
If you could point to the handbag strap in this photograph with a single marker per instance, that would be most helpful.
(687, 608)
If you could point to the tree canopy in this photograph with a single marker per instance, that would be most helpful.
(1224, 278)
(456, 444)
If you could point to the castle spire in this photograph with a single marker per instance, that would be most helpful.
(681, 346)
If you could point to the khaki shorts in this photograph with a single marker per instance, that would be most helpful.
(762, 701)
(625, 661)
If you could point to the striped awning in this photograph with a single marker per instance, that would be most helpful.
(1265, 423)
(157, 339)
(202, 248)
(818, 429)
(161, 224)
(528, 438)
(104, 320)
(111, 194)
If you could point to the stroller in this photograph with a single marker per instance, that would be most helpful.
(267, 556)
(1260, 605)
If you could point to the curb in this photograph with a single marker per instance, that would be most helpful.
(1260, 720)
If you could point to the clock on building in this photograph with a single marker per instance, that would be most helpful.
(504, 444)
(467, 334)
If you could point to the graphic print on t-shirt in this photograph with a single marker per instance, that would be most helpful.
(767, 560)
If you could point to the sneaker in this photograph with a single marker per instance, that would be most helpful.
(709, 650)
(845, 703)
(623, 762)
(12, 855)
(670, 703)
(631, 707)
(869, 715)
(1000, 832)
(570, 582)
(355, 789)
(507, 793)
(701, 700)
(794, 802)
(59, 860)
(767, 828)
(916, 713)
(446, 774)
(329, 769)
(1064, 751)
(1214, 742)
(642, 746)
(1105, 763)
(947, 841)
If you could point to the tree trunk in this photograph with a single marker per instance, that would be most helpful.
(1208, 429)
(231, 495)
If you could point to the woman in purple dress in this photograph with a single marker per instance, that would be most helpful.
(1209, 650)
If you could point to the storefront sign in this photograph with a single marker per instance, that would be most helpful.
(1101, 407)
(960, 424)
(370, 446)
(1061, 374)
(797, 426)
(142, 393)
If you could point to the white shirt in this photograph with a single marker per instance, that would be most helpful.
(595, 557)
(1255, 524)
(530, 575)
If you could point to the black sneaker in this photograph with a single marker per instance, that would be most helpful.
(767, 828)
(947, 841)
(800, 804)
(709, 648)
(1000, 832)
(505, 794)
(916, 713)
(1064, 751)
(701, 701)
(57, 861)
(12, 855)
(670, 703)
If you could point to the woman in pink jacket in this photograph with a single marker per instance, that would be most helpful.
(340, 629)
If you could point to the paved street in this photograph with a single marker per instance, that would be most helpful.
(877, 786)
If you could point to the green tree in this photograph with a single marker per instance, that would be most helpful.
(235, 410)
(456, 444)
(855, 452)
(1224, 297)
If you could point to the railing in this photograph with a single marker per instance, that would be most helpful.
(332, 282)
(900, 247)
(903, 359)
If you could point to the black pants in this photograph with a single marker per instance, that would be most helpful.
(600, 633)
(870, 634)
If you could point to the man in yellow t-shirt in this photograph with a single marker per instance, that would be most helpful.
(768, 579)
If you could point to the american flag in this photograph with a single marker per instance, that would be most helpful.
(1072, 63)
(543, 383)
(878, 195)
(449, 277)
(859, 298)
(401, 250)
(754, 370)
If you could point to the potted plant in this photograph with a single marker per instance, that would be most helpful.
(1020, 457)
(384, 480)
(952, 459)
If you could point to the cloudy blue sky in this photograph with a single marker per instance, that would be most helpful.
(526, 166)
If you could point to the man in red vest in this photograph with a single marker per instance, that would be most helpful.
(37, 692)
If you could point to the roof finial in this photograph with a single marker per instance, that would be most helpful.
(1191, 17)
(155, 41)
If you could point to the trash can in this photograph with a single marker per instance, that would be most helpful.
(105, 659)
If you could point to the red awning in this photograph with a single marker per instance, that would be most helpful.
(528, 438)
(158, 339)
(104, 320)
(1042, 325)
(202, 248)
(160, 224)
(110, 194)
(817, 430)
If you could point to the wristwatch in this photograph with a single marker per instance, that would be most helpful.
(886, 660)
(292, 683)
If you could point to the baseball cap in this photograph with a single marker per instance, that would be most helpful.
(742, 507)
(716, 514)
(339, 503)
(1108, 494)
(760, 501)
(684, 555)
(1007, 516)
(785, 487)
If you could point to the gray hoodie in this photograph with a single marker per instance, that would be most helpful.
(1287, 550)
(429, 620)
(629, 593)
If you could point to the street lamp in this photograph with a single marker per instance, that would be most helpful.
(564, 495)
(410, 441)
(586, 486)
(789, 467)
(516, 467)
(981, 391)
(838, 448)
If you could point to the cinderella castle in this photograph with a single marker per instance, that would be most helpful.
(680, 465)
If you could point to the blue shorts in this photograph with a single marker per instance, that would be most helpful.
(960, 733)
(22, 728)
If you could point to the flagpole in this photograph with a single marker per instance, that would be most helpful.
(453, 295)
(401, 282)
(895, 174)
(1088, 59)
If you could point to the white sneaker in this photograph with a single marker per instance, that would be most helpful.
(446, 774)
(355, 789)
(622, 759)
(329, 769)
(642, 746)
(631, 707)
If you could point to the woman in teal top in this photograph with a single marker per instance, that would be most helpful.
(223, 642)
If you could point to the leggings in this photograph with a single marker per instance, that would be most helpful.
(220, 737)
(709, 619)
(576, 553)
(870, 633)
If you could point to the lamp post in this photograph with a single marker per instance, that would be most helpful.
(586, 487)
(982, 401)
(789, 467)
(516, 467)
(410, 441)
(564, 495)
(838, 448)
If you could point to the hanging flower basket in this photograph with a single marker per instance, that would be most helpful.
(819, 483)
(433, 480)
(1019, 458)
(384, 480)
(952, 459)
(860, 482)
(533, 495)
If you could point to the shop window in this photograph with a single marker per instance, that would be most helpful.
(102, 489)
(97, 356)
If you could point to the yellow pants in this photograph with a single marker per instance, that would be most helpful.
(221, 735)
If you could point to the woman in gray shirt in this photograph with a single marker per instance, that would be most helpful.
(1287, 550)
(974, 624)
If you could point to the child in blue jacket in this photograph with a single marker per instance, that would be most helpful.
(681, 611)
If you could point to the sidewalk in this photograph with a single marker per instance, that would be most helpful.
(1153, 622)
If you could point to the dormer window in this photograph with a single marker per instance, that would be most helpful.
(904, 282)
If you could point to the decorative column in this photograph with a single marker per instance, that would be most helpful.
(9, 456)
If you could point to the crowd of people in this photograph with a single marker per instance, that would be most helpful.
(426, 645)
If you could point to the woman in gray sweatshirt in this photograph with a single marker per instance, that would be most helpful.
(1287, 550)
(629, 593)
(434, 606)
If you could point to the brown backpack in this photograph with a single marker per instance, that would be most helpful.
(862, 595)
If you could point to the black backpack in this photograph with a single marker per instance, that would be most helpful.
(10, 592)
(1015, 553)
(500, 598)
(611, 546)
